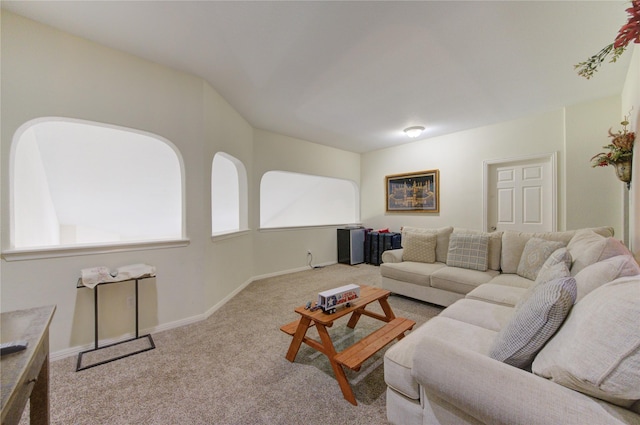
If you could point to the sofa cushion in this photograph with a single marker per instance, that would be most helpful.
(535, 254)
(534, 322)
(497, 294)
(398, 359)
(410, 271)
(468, 251)
(442, 239)
(479, 313)
(513, 244)
(495, 246)
(419, 247)
(512, 279)
(595, 275)
(588, 247)
(461, 281)
(597, 350)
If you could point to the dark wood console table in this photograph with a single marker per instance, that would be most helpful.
(25, 374)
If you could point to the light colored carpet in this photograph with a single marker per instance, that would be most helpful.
(231, 369)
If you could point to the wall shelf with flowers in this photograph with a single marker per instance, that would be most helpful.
(620, 153)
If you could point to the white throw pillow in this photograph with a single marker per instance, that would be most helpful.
(468, 251)
(547, 274)
(513, 244)
(588, 247)
(597, 350)
(557, 265)
(534, 322)
(419, 247)
(442, 239)
(495, 246)
(596, 275)
(536, 251)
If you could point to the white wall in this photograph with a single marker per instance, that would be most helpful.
(460, 156)
(277, 250)
(297, 200)
(631, 105)
(46, 72)
(38, 223)
(227, 261)
(594, 195)
(225, 194)
(50, 73)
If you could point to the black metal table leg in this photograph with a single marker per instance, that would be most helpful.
(152, 345)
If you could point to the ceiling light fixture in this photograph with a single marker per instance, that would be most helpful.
(414, 132)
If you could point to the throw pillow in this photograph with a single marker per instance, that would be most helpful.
(597, 350)
(513, 244)
(468, 251)
(495, 246)
(419, 247)
(588, 247)
(534, 322)
(554, 272)
(556, 266)
(596, 275)
(536, 251)
(442, 239)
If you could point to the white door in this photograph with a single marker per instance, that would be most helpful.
(520, 194)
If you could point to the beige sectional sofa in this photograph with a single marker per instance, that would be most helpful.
(548, 333)
(442, 284)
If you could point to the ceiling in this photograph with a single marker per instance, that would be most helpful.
(353, 74)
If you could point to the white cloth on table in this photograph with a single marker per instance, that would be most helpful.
(92, 276)
(135, 271)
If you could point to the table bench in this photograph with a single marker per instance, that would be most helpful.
(361, 351)
(354, 356)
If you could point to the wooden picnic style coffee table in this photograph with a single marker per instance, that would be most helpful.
(353, 356)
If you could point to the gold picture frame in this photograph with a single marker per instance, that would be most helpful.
(413, 192)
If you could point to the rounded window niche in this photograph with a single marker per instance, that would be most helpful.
(77, 182)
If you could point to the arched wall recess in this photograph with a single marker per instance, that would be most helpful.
(81, 183)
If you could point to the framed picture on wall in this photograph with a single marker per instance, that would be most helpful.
(413, 192)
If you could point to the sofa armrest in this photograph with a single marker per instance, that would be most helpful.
(496, 393)
(392, 256)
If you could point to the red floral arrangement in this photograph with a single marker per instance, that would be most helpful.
(628, 33)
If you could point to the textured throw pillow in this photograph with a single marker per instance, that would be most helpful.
(556, 271)
(596, 275)
(588, 247)
(419, 247)
(495, 246)
(442, 239)
(468, 251)
(556, 266)
(535, 253)
(513, 244)
(534, 322)
(597, 350)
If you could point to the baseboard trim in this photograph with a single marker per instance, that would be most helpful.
(74, 351)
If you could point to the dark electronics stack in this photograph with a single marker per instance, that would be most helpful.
(378, 241)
